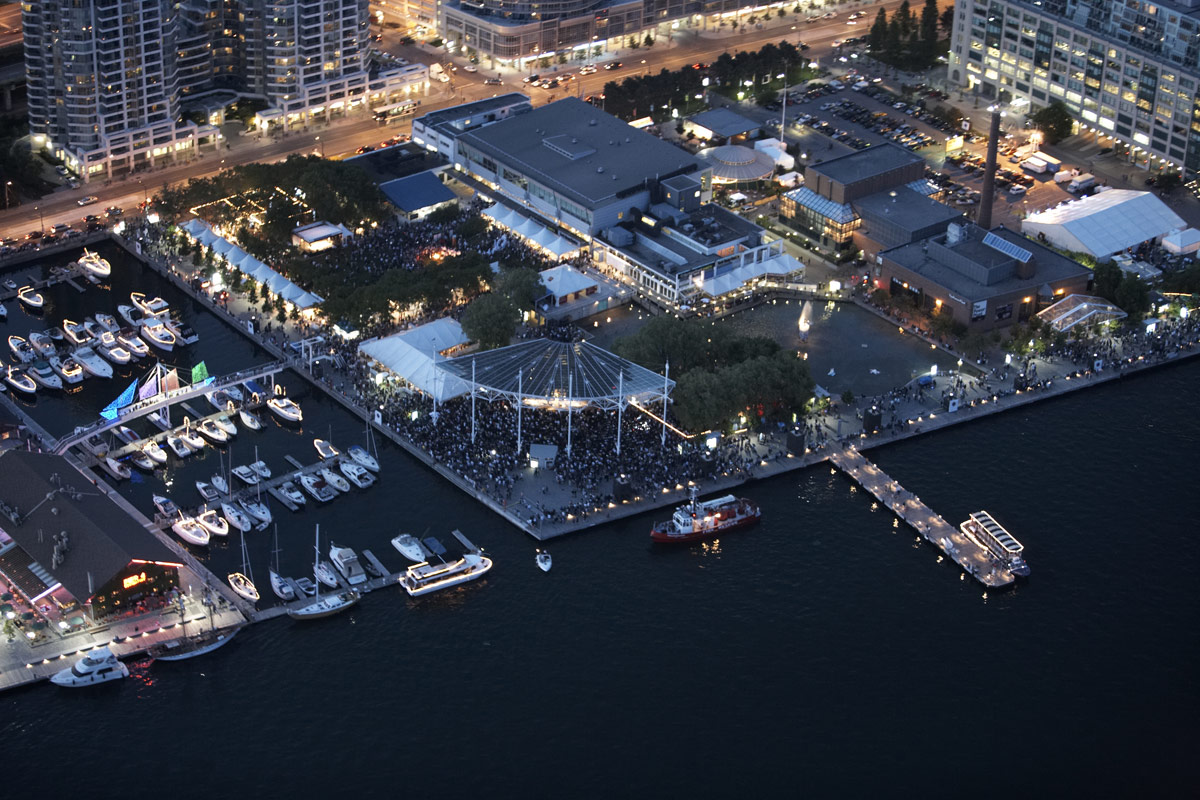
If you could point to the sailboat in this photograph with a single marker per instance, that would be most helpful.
(196, 644)
(279, 586)
(323, 606)
(241, 582)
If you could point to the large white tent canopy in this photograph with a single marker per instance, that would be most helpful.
(530, 230)
(249, 265)
(414, 356)
(1105, 223)
(1185, 241)
(779, 265)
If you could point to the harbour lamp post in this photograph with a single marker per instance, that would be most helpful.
(41, 218)
(7, 186)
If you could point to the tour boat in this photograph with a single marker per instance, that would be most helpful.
(409, 547)
(235, 516)
(132, 315)
(289, 490)
(152, 307)
(261, 469)
(285, 409)
(22, 349)
(191, 531)
(165, 505)
(178, 446)
(31, 298)
(695, 520)
(325, 574)
(115, 468)
(346, 561)
(111, 349)
(246, 475)
(191, 646)
(192, 439)
(108, 322)
(207, 491)
(544, 561)
(258, 510)
(75, 333)
(155, 451)
(226, 424)
(220, 484)
(44, 374)
(983, 528)
(336, 481)
(94, 264)
(325, 449)
(424, 578)
(214, 523)
(211, 432)
(362, 457)
(316, 486)
(42, 344)
(129, 339)
(98, 666)
(184, 333)
(67, 368)
(127, 434)
(155, 333)
(19, 380)
(356, 474)
(142, 461)
(249, 420)
(92, 363)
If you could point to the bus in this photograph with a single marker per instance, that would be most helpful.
(385, 114)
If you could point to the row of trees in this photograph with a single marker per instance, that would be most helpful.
(909, 42)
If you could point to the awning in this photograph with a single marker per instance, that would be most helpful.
(222, 246)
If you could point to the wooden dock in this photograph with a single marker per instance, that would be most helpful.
(975, 559)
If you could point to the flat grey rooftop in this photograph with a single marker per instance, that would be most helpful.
(868, 163)
(724, 122)
(905, 208)
(434, 118)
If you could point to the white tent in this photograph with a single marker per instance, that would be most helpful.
(501, 215)
(1184, 241)
(237, 256)
(222, 246)
(308, 300)
(414, 356)
(565, 280)
(778, 265)
(1104, 223)
(207, 238)
(194, 226)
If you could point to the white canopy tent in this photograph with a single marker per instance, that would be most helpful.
(415, 354)
(531, 230)
(250, 266)
(779, 266)
(1104, 223)
(1184, 241)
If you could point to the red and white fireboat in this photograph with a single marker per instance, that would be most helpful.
(694, 520)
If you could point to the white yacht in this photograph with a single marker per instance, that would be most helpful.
(316, 486)
(213, 522)
(42, 372)
(281, 587)
(19, 380)
(192, 439)
(178, 446)
(94, 264)
(220, 484)
(235, 516)
(325, 449)
(142, 461)
(115, 468)
(424, 578)
(131, 314)
(211, 432)
(249, 420)
(184, 334)
(108, 322)
(226, 424)
(258, 510)
(191, 531)
(243, 581)
(98, 666)
(356, 474)
(335, 480)
(75, 333)
(30, 298)
(93, 328)
(129, 339)
(67, 368)
(261, 469)
(165, 505)
(346, 562)
(152, 307)
(292, 493)
(285, 409)
(155, 333)
(113, 350)
(22, 349)
(92, 363)
(42, 343)
(543, 560)
(325, 574)
(246, 475)
(154, 450)
(207, 492)
(362, 457)
(409, 547)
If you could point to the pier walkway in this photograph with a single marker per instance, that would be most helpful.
(968, 554)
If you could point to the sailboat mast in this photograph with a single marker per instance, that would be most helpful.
(316, 561)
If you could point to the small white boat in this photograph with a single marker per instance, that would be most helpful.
(30, 298)
(285, 409)
(113, 350)
(92, 363)
(409, 547)
(128, 338)
(246, 475)
(150, 307)
(325, 449)
(108, 322)
(544, 561)
(132, 315)
(75, 332)
(192, 439)
(220, 484)
(236, 517)
(280, 587)
(243, 586)
(127, 434)
(155, 452)
(3, 312)
(306, 585)
(98, 666)
(258, 511)
(178, 446)
(336, 481)
(289, 490)
(93, 328)
(19, 380)
(210, 431)
(155, 333)
(220, 399)
(191, 531)
(22, 349)
(67, 368)
(226, 424)
(165, 505)
(207, 491)
(56, 333)
(42, 343)
(94, 264)
(316, 486)
(184, 334)
(356, 474)
(142, 461)
(261, 469)
(325, 574)
(346, 562)
(362, 457)
(45, 376)
(115, 468)
(249, 420)
(214, 523)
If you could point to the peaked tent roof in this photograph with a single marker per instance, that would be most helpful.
(414, 355)
(1105, 223)
(565, 279)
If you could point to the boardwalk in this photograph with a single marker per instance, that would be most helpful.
(973, 558)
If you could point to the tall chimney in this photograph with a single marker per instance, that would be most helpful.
(989, 174)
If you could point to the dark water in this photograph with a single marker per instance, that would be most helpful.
(824, 653)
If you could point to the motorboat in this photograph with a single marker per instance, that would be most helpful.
(346, 562)
(31, 298)
(155, 451)
(191, 646)
(45, 375)
(127, 434)
(42, 344)
(214, 523)
(356, 474)
(155, 333)
(306, 585)
(129, 339)
(236, 517)
(191, 531)
(67, 368)
(207, 492)
(220, 484)
(409, 547)
(132, 315)
(316, 486)
(142, 461)
(543, 561)
(226, 424)
(261, 469)
(325, 449)
(108, 322)
(285, 409)
(697, 520)
(116, 469)
(336, 481)
(94, 264)
(424, 578)
(178, 446)
(150, 307)
(246, 475)
(10, 284)
(165, 506)
(184, 334)
(210, 431)
(249, 420)
(95, 445)
(92, 363)
(113, 350)
(258, 511)
(56, 333)
(3, 312)
(76, 334)
(93, 328)
(325, 574)
(219, 399)
(235, 393)
(243, 586)
(98, 666)
(362, 457)
(22, 349)
(192, 439)
(19, 380)
(293, 494)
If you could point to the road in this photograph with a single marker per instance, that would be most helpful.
(10, 24)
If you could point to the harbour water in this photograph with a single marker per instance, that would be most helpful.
(825, 652)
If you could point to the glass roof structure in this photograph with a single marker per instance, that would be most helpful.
(1079, 309)
(547, 372)
(840, 213)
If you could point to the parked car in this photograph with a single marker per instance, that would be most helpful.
(470, 68)
(494, 82)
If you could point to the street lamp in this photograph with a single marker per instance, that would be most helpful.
(7, 184)
(145, 196)
(41, 218)
(322, 147)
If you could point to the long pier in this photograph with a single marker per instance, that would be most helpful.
(966, 552)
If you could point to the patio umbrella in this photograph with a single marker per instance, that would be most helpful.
(6, 608)
(28, 615)
(39, 626)
(75, 620)
(6, 597)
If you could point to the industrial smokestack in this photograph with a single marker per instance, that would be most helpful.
(989, 173)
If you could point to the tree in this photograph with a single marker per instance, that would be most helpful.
(894, 46)
(1054, 121)
(648, 42)
(1106, 280)
(905, 16)
(1133, 296)
(523, 287)
(878, 36)
(947, 19)
(1168, 182)
(490, 320)
(848, 397)
(929, 22)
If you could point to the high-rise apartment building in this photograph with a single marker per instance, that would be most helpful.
(1127, 70)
